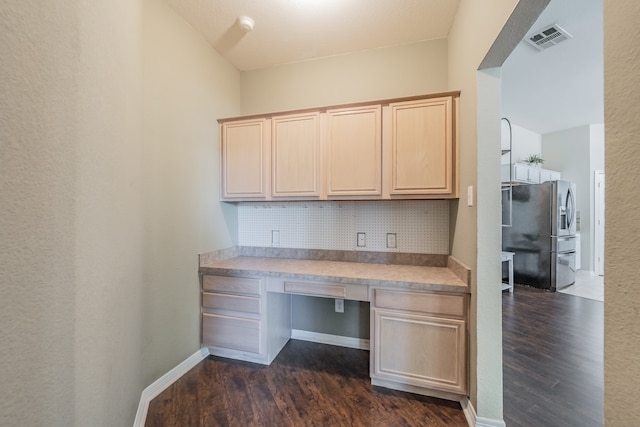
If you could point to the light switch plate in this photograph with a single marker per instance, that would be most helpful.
(470, 195)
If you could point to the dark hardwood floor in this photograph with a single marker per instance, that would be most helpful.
(308, 384)
(553, 377)
(553, 359)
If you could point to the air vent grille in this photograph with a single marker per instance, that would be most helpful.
(548, 37)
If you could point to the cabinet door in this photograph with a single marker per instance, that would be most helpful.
(534, 175)
(354, 151)
(520, 173)
(545, 175)
(296, 155)
(420, 350)
(422, 147)
(244, 159)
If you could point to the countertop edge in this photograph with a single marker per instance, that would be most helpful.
(456, 268)
(422, 286)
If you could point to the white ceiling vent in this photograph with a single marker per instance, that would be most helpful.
(548, 37)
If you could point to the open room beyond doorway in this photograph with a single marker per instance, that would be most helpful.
(554, 99)
(591, 132)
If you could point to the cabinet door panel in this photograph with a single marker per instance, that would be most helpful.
(296, 155)
(245, 159)
(420, 350)
(521, 173)
(354, 151)
(422, 147)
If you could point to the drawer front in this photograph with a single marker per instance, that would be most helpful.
(421, 302)
(323, 290)
(231, 332)
(349, 291)
(231, 302)
(236, 285)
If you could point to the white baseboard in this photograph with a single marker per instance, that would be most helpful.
(359, 343)
(474, 420)
(159, 385)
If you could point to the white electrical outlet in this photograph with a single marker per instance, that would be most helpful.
(275, 238)
(392, 240)
(339, 305)
(361, 240)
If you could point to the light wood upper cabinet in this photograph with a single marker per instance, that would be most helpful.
(245, 154)
(296, 158)
(421, 150)
(403, 148)
(354, 151)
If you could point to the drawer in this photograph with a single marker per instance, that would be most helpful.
(421, 302)
(323, 290)
(231, 332)
(236, 285)
(231, 302)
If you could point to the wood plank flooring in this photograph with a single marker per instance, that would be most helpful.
(553, 377)
(308, 384)
(553, 359)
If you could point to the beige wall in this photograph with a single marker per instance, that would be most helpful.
(420, 68)
(622, 246)
(39, 75)
(414, 69)
(108, 191)
(476, 27)
(186, 87)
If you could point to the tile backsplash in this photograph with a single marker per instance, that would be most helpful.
(421, 226)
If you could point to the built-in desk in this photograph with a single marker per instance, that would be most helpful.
(418, 314)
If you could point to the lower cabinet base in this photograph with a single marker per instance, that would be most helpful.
(239, 355)
(416, 390)
(248, 357)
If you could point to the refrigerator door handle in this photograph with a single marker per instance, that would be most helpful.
(570, 203)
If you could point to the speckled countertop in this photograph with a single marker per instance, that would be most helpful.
(363, 273)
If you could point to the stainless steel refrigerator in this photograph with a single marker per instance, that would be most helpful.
(542, 233)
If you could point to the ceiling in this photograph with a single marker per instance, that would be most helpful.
(561, 87)
(297, 30)
(555, 89)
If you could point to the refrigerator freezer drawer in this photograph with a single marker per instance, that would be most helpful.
(563, 270)
(563, 244)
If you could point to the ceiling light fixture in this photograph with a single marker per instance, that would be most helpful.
(245, 23)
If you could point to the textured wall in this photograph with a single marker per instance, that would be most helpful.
(39, 75)
(71, 211)
(186, 87)
(622, 247)
(476, 230)
(414, 69)
(108, 191)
